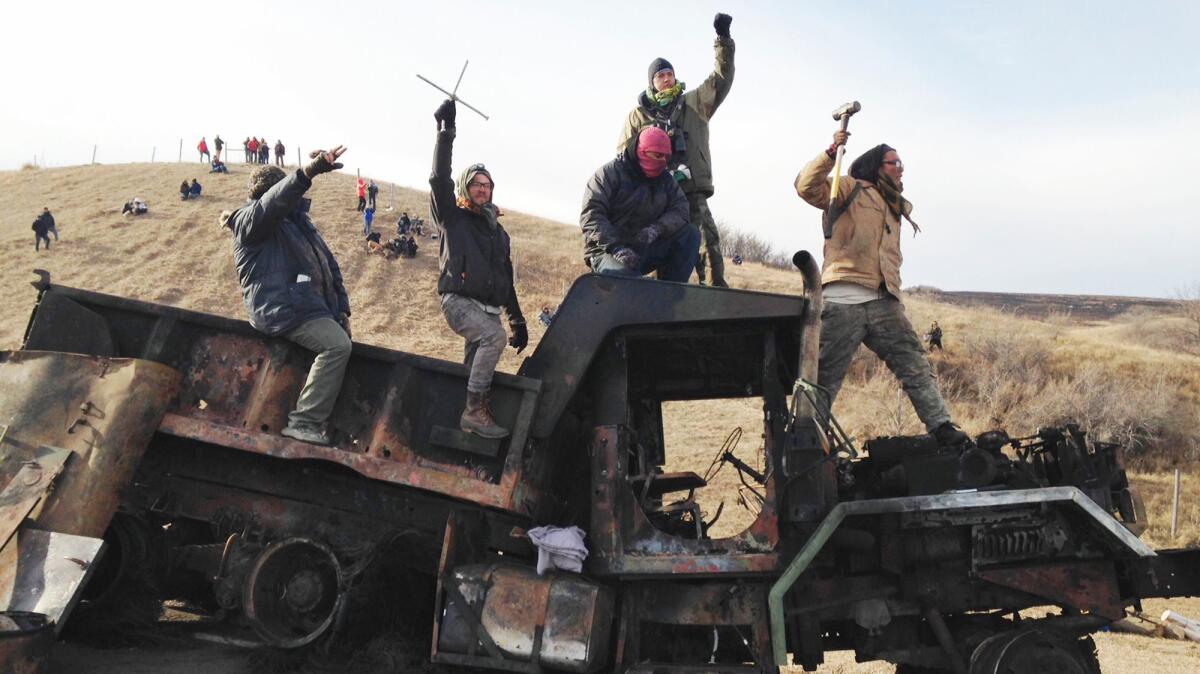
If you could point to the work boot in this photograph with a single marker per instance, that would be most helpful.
(306, 433)
(477, 417)
(948, 435)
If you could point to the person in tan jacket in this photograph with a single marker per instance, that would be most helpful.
(860, 279)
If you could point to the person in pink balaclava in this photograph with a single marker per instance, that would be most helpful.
(635, 216)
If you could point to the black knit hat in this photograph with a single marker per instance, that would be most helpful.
(867, 166)
(655, 66)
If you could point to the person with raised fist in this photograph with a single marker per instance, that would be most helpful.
(684, 115)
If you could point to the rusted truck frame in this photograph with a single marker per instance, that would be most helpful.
(918, 554)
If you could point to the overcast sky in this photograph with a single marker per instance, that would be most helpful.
(1049, 146)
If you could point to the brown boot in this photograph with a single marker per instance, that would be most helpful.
(477, 418)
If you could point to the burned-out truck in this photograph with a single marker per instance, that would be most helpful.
(918, 554)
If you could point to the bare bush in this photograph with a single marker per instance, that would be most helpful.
(1188, 308)
(751, 247)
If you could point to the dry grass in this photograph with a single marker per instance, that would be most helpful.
(998, 370)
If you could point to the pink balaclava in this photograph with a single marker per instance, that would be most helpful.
(653, 139)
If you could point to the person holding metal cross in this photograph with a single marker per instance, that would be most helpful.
(860, 277)
(684, 116)
(475, 272)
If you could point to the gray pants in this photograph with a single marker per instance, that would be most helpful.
(330, 342)
(883, 327)
(484, 339)
(710, 239)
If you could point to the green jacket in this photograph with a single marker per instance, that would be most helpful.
(690, 113)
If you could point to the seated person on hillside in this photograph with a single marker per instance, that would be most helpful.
(547, 316)
(635, 216)
(218, 166)
(737, 258)
(135, 206)
(373, 245)
(184, 190)
(410, 247)
(394, 248)
(418, 227)
(194, 190)
(403, 224)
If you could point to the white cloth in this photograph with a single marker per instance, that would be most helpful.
(845, 292)
(559, 548)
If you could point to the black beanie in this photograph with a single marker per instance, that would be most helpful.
(867, 166)
(657, 65)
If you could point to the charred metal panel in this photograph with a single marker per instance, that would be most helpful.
(104, 410)
(598, 305)
(1088, 586)
(239, 385)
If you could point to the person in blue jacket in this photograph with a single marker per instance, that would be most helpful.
(292, 285)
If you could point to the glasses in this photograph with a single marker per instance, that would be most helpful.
(897, 163)
(478, 185)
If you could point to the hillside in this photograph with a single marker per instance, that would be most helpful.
(1114, 369)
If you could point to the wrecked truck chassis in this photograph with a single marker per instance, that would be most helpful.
(907, 578)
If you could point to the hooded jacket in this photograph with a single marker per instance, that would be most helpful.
(620, 201)
(865, 248)
(474, 258)
(276, 245)
(689, 115)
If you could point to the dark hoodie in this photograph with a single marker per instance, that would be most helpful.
(620, 201)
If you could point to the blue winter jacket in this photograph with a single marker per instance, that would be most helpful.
(288, 274)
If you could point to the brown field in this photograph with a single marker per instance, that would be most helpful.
(1115, 367)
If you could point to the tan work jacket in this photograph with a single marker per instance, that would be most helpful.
(865, 248)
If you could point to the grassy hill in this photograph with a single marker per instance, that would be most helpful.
(1115, 367)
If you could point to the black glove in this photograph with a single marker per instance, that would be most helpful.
(520, 335)
(721, 23)
(319, 164)
(627, 257)
(445, 114)
(648, 235)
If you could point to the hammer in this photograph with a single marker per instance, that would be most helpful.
(841, 114)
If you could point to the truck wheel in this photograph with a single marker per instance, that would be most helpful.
(122, 595)
(1035, 651)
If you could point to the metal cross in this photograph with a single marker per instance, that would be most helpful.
(454, 94)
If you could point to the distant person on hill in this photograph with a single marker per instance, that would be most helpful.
(860, 277)
(410, 247)
(475, 273)
(418, 227)
(737, 259)
(635, 216)
(50, 225)
(403, 224)
(374, 244)
(218, 166)
(292, 285)
(685, 116)
(185, 190)
(203, 148)
(135, 206)
(368, 218)
(41, 230)
(246, 149)
(194, 190)
(219, 144)
(934, 337)
(264, 151)
(252, 150)
(372, 191)
(279, 152)
(360, 189)
(547, 316)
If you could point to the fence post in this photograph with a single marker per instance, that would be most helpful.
(94, 154)
(180, 150)
(1175, 506)
(153, 151)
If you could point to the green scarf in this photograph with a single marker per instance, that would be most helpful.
(898, 205)
(665, 97)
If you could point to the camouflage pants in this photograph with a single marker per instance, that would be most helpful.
(710, 244)
(884, 328)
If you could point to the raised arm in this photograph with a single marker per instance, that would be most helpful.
(441, 183)
(712, 93)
